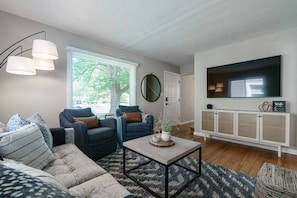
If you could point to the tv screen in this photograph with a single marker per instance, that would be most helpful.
(255, 78)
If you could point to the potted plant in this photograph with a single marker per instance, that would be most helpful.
(164, 126)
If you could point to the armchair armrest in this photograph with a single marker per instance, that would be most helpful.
(62, 135)
(149, 119)
(121, 129)
(108, 122)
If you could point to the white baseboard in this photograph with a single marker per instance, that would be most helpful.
(288, 150)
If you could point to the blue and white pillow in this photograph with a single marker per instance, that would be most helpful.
(47, 135)
(16, 122)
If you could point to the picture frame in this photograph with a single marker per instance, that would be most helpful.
(279, 106)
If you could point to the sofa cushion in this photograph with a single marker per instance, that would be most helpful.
(91, 122)
(26, 145)
(138, 127)
(72, 167)
(132, 117)
(70, 113)
(103, 186)
(42, 175)
(100, 135)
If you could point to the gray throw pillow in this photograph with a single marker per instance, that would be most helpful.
(47, 135)
(16, 122)
(26, 145)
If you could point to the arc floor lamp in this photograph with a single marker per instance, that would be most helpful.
(43, 52)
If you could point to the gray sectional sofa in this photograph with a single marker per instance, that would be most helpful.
(67, 173)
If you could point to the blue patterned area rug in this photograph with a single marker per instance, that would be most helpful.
(215, 181)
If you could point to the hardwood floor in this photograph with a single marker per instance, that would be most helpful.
(245, 159)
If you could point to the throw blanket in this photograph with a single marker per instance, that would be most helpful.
(14, 183)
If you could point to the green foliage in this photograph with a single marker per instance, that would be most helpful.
(94, 81)
(163, 123)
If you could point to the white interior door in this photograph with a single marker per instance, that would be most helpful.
(172, 96)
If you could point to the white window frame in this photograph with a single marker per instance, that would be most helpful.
(103, 59)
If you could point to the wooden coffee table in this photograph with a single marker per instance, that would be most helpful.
(165, 156)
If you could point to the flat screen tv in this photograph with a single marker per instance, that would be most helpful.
(256, 78)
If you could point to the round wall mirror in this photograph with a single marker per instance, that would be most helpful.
(150, 88)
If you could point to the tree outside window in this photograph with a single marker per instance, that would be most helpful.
(98, 84)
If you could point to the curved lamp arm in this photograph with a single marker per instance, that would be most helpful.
(3, 62)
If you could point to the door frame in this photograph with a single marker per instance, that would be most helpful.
(165, 91)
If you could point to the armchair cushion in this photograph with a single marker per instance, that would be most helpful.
(91, 122)
(100, 135)
(128, 109)
(132, 116)
(138, 127)
(70, 113)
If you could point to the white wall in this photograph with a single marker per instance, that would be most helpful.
(187, 69)
(281, 43)
(46, 92)
(187, 99)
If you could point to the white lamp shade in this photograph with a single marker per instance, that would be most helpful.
(44, 49)
(43, 64)
(20, 65)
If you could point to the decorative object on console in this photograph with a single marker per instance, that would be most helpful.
(279, 106)
(265, 106)
(43, 52)
(209, 106)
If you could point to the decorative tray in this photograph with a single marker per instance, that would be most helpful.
(162, 143)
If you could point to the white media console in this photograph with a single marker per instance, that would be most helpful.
(267, 128)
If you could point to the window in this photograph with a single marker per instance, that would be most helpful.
(247, 88)
(100, 82)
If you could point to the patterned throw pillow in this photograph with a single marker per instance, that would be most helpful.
(47, 135)
(16, 122)
(40, 174)
(14, 183)
(26, 145)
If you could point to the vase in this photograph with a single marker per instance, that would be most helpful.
(166, 136)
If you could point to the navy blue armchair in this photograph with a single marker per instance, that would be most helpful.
(129, 128)
(95, 142)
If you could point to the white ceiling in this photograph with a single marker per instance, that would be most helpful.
(168, 30)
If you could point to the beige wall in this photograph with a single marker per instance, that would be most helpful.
(281, 43)
(46, 92)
